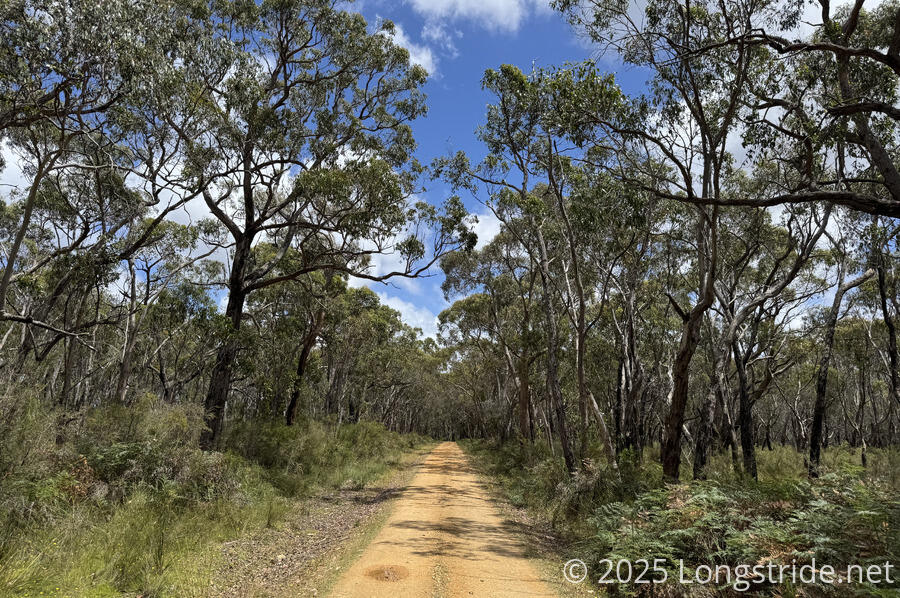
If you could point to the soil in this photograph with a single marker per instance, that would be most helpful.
(445, 538)
(309, 549)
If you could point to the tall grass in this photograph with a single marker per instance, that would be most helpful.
(121, 502)
(851, 515)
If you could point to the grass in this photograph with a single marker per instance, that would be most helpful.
(140, 547)
(849, 516)
(351, 550)
(144, 513)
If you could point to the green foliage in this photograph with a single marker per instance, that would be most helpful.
(849, 516)
(130, 505)
(310, 455)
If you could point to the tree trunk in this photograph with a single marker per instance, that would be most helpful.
(670, 454)
(308, 343)
(220, 380)
(128, 347)
(630, 382)
(585, 396)
(705, 429)
(605, 438)
(674, 425)
(525, 428)
(892, 330)
(745, 415)
(43, 166)
(703, 444)
(816, 433)
(858, 437)
(553, 386)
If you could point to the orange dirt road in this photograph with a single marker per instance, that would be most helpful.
(444, 539)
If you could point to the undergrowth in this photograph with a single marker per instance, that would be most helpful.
(851, 515)
(121, 502)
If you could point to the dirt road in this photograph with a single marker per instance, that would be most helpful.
(444, 539)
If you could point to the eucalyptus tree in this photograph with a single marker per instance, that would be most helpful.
(602, 225)
(290, 317)
(77, 86)
(476, 329)
(632, 295)
(843, 266)
(858, 409)
(324, 286)
(830, 97)
(823, 91)
(760, 262)
(505, 273)
(878, 239)
(393, 377)
(168, 260)
(816, 116)
(182, 324)
(282, 327)
(855, 352)
(519, 141)
(298, 135)
(358, 333)
(69, 62)
(674, 142)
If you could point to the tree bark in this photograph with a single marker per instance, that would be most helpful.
(220, 380)
(745, 415)
(553, 388)
(703, 445)
(670, 454)
(605, 438)
(891, 328)
(128, 347)
(524, 396)
(818, 423)
(309, 342)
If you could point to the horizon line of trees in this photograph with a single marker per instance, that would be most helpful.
(640, 258)
(710, 265)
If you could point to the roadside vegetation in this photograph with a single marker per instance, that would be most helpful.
(122, 502)
(848, 516)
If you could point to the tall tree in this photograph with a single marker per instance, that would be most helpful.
(299, 136)
(831, 319)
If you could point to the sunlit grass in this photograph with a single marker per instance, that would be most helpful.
(849, 515)
(164, 539)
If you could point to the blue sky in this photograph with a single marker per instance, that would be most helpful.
(457, 40)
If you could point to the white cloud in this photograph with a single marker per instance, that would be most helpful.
(414, 315)
(438, 34)
(503, 15)
(12, 176)
(418, 53)
(487, 227)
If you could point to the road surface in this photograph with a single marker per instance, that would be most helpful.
(444, 539)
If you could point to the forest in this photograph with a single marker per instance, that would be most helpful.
(680, 344)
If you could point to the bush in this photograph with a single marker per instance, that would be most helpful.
(119, 500)
(310, 455)
(849, 516)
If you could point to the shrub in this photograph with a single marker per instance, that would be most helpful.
(849, 516)
(130, 505)
(309, 454)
